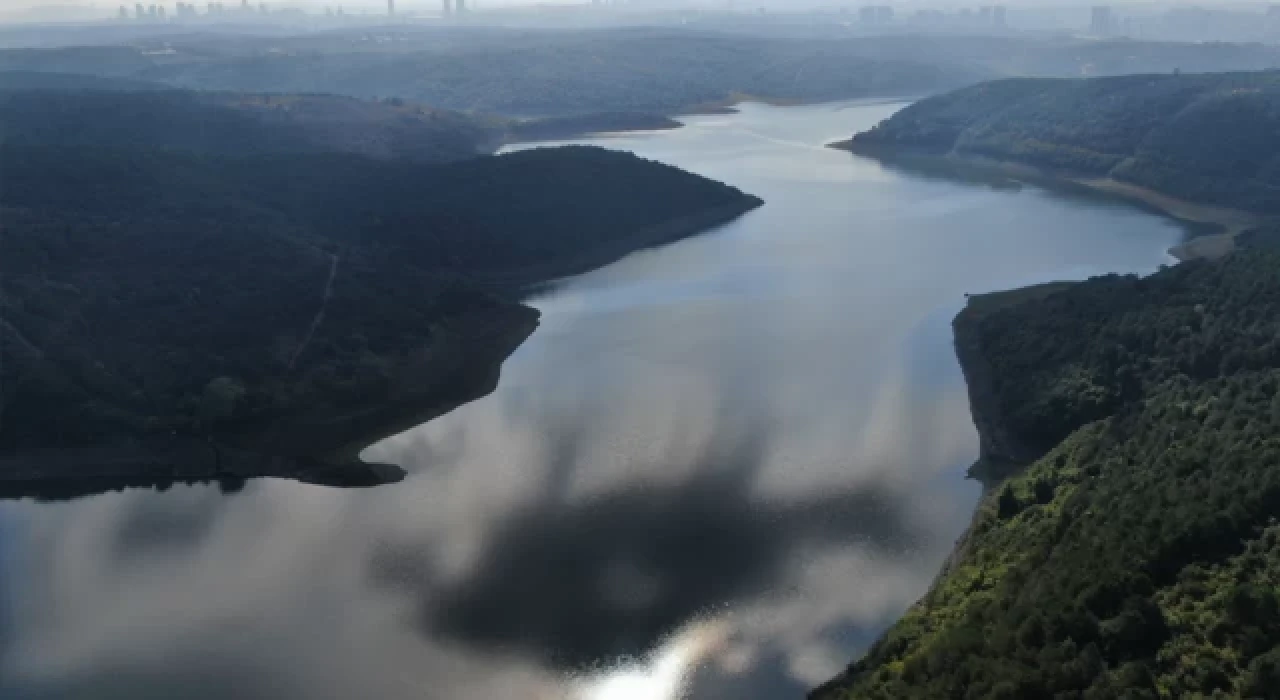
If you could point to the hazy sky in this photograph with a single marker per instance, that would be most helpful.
(69, 9)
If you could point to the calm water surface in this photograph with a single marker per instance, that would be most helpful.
(717, 470)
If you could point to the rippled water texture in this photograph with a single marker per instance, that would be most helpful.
(741, 454)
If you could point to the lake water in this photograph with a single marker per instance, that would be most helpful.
(719, 468)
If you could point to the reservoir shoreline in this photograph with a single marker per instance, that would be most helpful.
(1213, 229)
(322, 446)
(1213, 233)
(775, 408)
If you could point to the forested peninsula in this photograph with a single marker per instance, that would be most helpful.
(1198, 147)
(63, 109)
(221, 298)
(1128, 545)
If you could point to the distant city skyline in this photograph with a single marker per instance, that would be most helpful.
(55, 10)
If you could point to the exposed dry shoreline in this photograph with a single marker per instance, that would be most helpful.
(1229, 223)
(1224, 224)
(729, 105)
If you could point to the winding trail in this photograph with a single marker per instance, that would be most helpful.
(319, 317)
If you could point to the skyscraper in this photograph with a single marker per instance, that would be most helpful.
(461, 6)
(1101, 21)
(446, 8)
(391, 8)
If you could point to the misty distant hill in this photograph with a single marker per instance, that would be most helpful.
(36, 80)
(661, 71)
(234, 123)
(552, 75)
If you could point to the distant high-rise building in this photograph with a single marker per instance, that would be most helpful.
(262, 8)
(875, 14)
(139, 12)
(124, 12)
(1101, 22)
(1001, 16)
(160, 12)
(391, 8)
(446, 8)
(460, 5)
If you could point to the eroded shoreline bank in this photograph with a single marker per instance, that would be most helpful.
(1213, 230)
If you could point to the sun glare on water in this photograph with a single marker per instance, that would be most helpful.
(664, 676)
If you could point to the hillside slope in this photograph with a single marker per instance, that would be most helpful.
(168, 314)
(539, 73)
(1204, 138)
(227, 123)
(539, 76)
(1138, 555)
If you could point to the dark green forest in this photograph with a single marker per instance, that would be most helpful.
(542, 73)
(228, 289)
(1207, 138)
(521, 74)
(70, 110)
(1139, 557)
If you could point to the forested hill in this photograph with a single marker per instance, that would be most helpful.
(515, 74)
(1139, 556)
(541, 73)
(69, 110)
(168, 315)
(1206, 138)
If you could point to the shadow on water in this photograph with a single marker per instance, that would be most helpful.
(576, 585)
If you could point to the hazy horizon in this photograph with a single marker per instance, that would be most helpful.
(61, 11)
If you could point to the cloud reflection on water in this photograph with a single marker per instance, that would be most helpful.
(568, 519)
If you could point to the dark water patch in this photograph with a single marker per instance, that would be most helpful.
(163, 525)
(614, 576)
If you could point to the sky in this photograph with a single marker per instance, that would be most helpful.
(31, 10)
